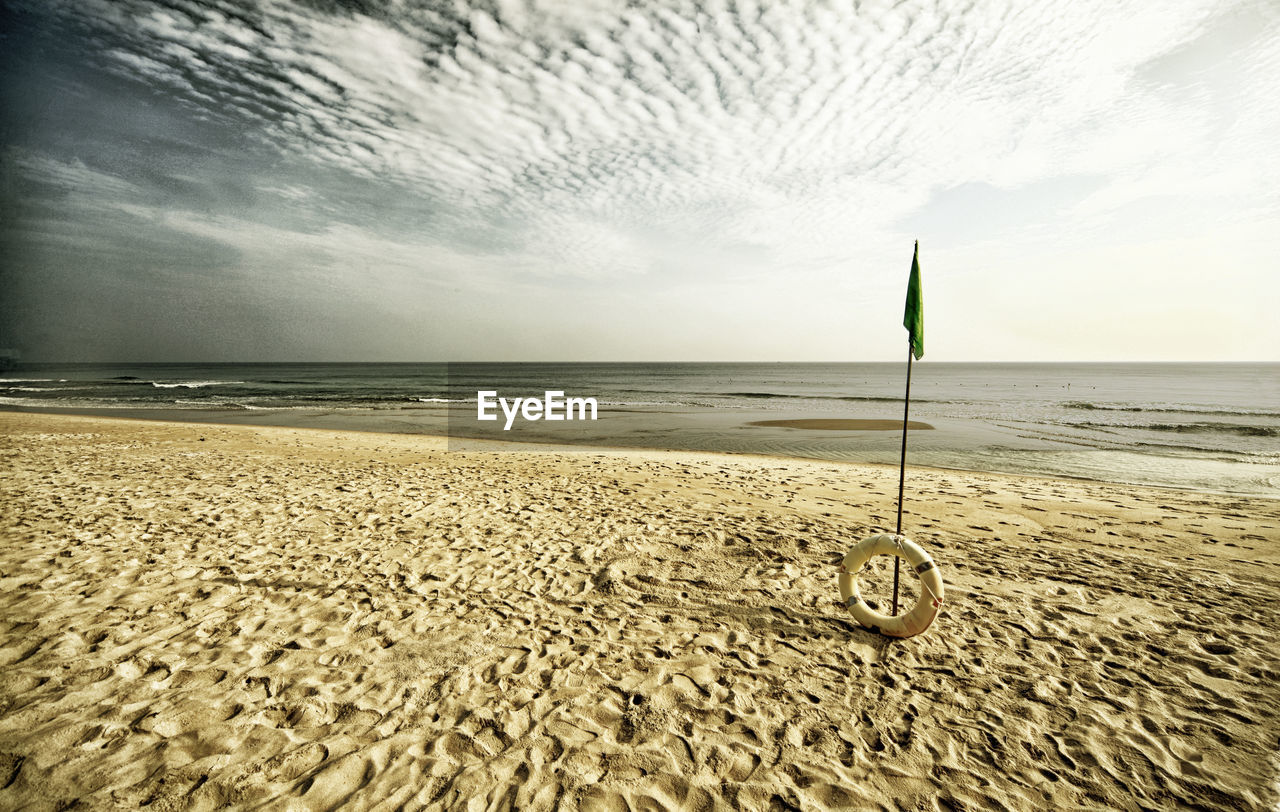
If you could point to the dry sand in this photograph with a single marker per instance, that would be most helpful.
(200, 616)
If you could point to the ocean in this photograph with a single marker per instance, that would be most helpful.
(1211, 427)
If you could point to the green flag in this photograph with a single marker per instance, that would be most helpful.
(913, 320)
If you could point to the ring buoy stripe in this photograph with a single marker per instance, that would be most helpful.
(927, 606)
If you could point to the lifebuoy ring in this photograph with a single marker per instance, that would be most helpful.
(926, 608)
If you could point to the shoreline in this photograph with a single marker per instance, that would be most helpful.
(224, 615)
(543, 445)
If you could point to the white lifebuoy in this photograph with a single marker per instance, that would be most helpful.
(926, 608)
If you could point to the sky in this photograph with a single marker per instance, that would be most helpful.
(373, 180)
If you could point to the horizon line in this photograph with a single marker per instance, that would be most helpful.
(20, 364)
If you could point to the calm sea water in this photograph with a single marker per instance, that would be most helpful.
(1199, 426)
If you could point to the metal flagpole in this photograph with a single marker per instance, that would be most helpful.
(913, 320)
(902, 473)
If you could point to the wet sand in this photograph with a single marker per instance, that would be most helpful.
(202, 616)
(842, 424)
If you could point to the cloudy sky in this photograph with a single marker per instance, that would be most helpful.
(595, 180)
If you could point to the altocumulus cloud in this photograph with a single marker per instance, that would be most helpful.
(685, 180)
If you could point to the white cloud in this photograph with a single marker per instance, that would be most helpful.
(604, 140)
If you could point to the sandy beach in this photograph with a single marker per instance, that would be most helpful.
(202, 617)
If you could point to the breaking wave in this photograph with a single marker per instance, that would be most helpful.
(1112, 407)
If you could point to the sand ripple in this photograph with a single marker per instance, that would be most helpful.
(205, 616)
